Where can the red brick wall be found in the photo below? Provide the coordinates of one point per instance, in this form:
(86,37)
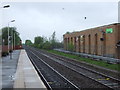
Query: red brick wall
(94,45)
(118,39)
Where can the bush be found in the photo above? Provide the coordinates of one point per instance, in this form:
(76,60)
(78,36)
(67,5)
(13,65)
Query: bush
(71,47)
(47,45)
(11,51)
(5,53)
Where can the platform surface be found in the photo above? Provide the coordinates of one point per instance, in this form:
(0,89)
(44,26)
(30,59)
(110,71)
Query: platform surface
(26,75)
(8,68)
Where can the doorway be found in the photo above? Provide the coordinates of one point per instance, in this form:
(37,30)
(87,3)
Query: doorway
(89,44)
(96,44)
(79,44)
(84,44)
(119,52)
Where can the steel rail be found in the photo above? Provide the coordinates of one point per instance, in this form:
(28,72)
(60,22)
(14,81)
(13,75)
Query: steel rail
(63,58)
(40,74)
(78,72)
(91,70)
(58,57)
(56,71)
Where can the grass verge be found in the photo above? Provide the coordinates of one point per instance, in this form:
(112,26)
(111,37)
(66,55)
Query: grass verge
(88,60)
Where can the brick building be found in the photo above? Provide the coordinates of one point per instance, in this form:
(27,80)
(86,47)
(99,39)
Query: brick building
(102,41)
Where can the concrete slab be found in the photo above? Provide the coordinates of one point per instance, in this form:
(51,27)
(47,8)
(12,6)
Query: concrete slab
(8,68)
(26,75)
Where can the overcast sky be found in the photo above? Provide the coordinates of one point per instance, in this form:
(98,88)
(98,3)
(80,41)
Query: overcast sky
(43,18)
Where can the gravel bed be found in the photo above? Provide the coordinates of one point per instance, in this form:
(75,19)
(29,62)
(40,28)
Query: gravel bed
(77,79)
(52,78)
(112,73)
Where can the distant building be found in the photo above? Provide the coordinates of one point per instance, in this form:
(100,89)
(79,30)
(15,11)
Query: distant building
(102,41)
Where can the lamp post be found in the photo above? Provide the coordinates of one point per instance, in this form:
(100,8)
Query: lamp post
(3,42)
(6,6)
(8,35)
(12,35)
(14,41)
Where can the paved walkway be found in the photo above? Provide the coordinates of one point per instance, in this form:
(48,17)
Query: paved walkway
(26,75)
(19,72)
(8,68)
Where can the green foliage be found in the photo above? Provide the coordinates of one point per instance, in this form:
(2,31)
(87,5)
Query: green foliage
(47,45)
(70,47)
(38,41)
(28,43)
(87,60)
(67,32)
(44,43)
(12,33)
(53,40)
(59,45)
(4,53)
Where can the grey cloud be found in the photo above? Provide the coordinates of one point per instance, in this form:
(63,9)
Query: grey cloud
(34,19)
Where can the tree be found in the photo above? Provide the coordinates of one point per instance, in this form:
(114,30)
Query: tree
(67,32)
(12,33)
(47,45)
(38,41)
(28,43)
(70,47)
(44,43)
(59,45)
(53,40)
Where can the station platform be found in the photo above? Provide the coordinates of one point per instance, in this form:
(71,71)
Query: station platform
(8,67)
(26,75)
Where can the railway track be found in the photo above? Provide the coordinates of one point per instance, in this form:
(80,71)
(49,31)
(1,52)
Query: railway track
(104,71)
(52,78)
(103,79)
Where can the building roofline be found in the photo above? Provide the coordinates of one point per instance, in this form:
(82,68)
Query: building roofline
(94,28)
